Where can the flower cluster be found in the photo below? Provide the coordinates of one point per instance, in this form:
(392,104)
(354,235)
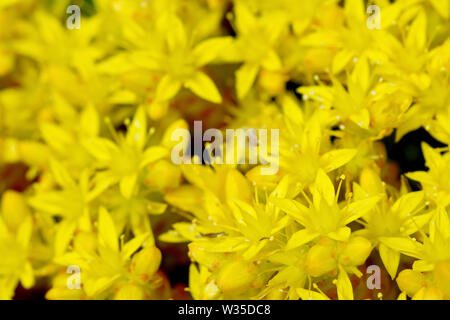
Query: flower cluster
(87,123)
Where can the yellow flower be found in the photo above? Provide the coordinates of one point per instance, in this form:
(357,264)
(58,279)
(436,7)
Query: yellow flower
(434,181)
(15,265)
(324,216)
(303,148)
(71,203)
(113,264)
(390,219)
(255,45)
(125,159)
(179,61)
(435,247)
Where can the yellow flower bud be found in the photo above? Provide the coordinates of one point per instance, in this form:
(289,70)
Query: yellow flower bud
(212,260)
(211,290)
(129,291)
(320,260)
(157,110)
(14,209)
(429,293)
(317,59)
(10,150)
(6,61)
(276,294)
(33,153)
(163,175)
(273,82)
(216,4)
(355,252)
(442,277)
(63,293)
(235,277)
(410,281)
(371,181)
(146,262)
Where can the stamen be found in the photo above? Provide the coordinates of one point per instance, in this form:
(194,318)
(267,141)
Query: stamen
(318,289)
(306,198)
(341,179)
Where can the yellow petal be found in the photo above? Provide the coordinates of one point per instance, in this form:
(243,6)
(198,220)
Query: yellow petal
(293,208)
(311,295)
(203,87)
(153,154)
(337,158)
(407,203)
(64,236)
(25,231)
(404,245)
(237,187)
(325,187)
(176,33)
(27,276)
(133,245)
(341,60)
(167,88)
(14,209)
(417,35)
(107,230)
(208,50)
(344,286)
(300,238)
(89,122)
(127,185)
(391,259)
(137,131)
(245,77)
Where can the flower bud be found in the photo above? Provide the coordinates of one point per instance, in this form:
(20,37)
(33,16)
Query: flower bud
(429,293)
(442,276)
(210,291)
(410,281)
(7,61)
(163,175)
(62,293)
(129,291)
(274,82)
(371,182)
(146,262)
(212,260)
(235,277)
(14,209)
(317,60)
(320,260)
(157,110)
(33,153)
(355,252)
